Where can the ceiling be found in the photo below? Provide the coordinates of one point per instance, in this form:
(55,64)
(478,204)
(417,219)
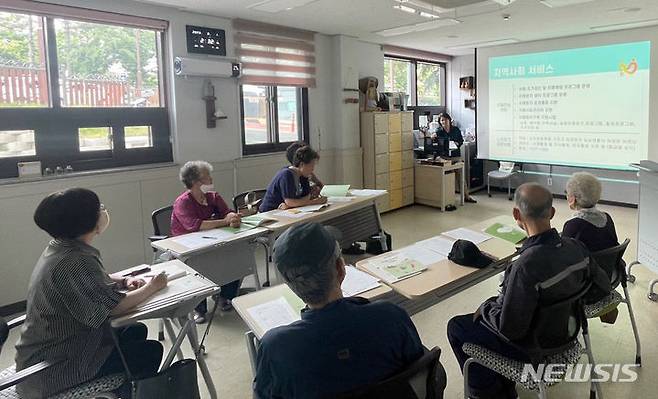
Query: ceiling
(480,21)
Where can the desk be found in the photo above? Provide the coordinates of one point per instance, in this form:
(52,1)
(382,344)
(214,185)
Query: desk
(434,188)
(446,278)
(178,308)
(242,303)
(220,261)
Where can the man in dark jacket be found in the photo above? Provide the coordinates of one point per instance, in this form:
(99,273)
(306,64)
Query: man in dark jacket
(549,268)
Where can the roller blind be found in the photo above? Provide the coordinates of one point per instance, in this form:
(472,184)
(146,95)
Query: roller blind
(274,55)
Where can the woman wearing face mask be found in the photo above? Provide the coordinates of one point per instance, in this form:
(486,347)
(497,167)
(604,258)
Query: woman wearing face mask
(199,208)
(71,297)
(290,187)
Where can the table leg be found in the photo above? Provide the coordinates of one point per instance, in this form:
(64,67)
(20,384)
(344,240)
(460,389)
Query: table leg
(194,342)
(462,183)
(252,349)
(175,347)
(172,336)
(382,234)
(443,191)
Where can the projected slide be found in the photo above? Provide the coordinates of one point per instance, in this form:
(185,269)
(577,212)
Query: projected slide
(582,107)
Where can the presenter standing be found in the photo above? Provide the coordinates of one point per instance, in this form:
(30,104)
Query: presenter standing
(448,130)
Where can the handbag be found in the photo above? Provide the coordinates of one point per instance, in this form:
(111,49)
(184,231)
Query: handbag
(178,381)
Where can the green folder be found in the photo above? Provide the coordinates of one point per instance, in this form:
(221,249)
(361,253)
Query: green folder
(248,223)
(505,232)
(335,190)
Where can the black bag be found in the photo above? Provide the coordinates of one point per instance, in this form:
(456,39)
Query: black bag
(374,245)
(177,381)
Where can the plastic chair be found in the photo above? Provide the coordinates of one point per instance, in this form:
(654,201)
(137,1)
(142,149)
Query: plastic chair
(611,260)
(567,315)
(9,377)
(161,220)
(506,170)
(423,379)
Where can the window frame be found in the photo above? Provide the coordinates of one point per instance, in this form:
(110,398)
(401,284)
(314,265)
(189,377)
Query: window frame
(56,126)
(274,145)
(414,79)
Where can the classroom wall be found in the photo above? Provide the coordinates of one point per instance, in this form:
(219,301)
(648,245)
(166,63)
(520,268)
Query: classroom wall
(132,195)
(460,66)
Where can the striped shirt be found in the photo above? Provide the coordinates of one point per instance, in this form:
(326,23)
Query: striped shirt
(69,300)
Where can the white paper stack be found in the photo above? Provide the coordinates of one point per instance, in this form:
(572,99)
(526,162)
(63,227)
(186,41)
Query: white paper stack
(357,282)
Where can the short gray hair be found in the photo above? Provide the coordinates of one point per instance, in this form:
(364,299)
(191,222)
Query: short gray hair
(190,173)
(534,201)
(313,283)
(586,188)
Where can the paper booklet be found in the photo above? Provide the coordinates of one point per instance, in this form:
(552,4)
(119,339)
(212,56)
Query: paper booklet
(395,267)
(357,282)
(467,234)
(505,232)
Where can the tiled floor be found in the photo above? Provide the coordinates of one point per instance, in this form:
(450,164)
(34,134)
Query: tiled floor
(228,360)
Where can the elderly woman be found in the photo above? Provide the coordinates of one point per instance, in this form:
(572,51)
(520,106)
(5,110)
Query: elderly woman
(70,299)
(201,208)
(591,226)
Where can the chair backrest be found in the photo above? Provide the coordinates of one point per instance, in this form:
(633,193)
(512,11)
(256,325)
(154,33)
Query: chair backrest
(423,379)
(248,202)
(556,325)
(4,332)
(507,167)
(161,219)
(611,260)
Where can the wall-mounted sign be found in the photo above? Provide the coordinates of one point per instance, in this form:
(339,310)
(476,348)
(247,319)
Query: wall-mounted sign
(202,40)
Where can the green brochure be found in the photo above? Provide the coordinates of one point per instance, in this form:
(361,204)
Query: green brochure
(335,190)
(505,232)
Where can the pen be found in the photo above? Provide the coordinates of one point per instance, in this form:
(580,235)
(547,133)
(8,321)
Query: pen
(211,238)
(137,272)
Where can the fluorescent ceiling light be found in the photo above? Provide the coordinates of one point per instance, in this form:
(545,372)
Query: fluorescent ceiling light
(405,9)
(423,26)
(428,15)
(274,6)
(562,3)
(484,44)
(625,25)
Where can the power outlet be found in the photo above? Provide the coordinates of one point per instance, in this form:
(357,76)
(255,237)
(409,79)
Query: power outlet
(550,181)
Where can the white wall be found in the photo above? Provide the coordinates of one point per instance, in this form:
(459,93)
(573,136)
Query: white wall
(460,66)
(132,195)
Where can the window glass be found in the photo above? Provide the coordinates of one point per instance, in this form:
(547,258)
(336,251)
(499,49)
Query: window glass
(95,138)
(429,84)
(16,143)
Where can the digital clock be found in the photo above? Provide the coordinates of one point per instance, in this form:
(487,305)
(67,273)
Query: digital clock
(202,40)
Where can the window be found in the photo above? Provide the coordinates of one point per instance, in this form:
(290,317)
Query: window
(85,93)
(423,82)
(272,117)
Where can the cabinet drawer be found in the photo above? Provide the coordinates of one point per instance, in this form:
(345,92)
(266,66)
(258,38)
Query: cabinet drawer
(381,123)
(394,123)
(407,177)
(395,179)
(396,198)
(407,141)
(381,144)
(407,196)
(381,163)
(407,121)
(407,159)
(394,142)
(382,181)
(394,161)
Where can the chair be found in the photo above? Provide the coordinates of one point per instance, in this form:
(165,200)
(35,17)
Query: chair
(611,261)
(9,377)
(505,171)
(545,350)
(247,203)
(423,379)
(161,220)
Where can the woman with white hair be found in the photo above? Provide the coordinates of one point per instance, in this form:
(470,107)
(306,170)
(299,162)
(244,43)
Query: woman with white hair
(199,208)
(589,225)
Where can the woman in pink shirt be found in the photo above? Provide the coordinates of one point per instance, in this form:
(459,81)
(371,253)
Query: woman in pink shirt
(201,208)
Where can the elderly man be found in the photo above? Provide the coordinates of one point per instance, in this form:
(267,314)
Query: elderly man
(545,256)
(340,344)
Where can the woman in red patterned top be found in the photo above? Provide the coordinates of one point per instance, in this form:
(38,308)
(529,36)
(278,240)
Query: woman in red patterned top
(200,207)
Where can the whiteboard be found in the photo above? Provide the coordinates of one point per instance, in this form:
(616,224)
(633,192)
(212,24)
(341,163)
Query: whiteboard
(648,222)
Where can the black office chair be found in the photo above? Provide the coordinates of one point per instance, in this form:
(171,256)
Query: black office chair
(611,260)
(423,379)
(247,203)
(547,345)
(161,220)
(9,377)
